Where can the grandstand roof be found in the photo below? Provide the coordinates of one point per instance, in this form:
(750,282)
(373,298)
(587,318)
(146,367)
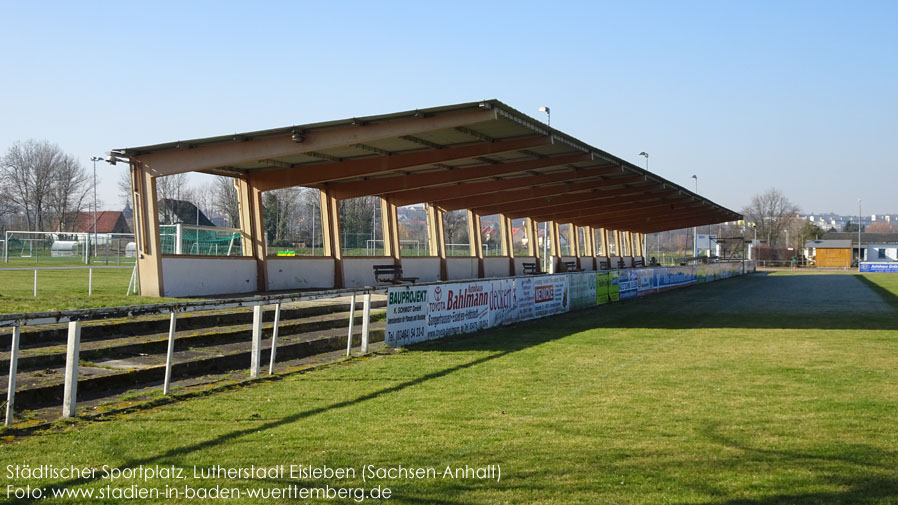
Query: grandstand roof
(483,156)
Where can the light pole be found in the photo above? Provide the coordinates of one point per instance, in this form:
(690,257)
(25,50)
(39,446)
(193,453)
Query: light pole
(695,228)
(858,234)
(548,112)
(95,159)
(643,153)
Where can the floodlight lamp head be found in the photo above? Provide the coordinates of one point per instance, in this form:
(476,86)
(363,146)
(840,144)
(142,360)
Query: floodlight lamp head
(694,177)
(297,135)
(544,109)
(643,153)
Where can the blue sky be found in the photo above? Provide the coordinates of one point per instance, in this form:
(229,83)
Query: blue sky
(801,96)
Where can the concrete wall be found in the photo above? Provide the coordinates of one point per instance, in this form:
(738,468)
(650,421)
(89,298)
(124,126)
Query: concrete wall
(426,269)
(300,273)
(496,266)
(461,268)
(359,272)
(519,263)
(208,276)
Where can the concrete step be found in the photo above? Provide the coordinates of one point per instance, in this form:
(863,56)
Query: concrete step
(53,355)
(45,335)
(110,376)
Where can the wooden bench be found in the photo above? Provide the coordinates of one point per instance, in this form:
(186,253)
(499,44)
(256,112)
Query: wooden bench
(604,265)
(392,274)
(571,266)
(620,263)
(639,262)
(531,268)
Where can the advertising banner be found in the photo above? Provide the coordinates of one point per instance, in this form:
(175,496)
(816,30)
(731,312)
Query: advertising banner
(582,290)
(603,288)
(503,302)
(669,277)
(614,290)
(406,315)
(458,308)
(541,295)
(628,284)
(879,267)
(419,313)
(701,272)
(645,281)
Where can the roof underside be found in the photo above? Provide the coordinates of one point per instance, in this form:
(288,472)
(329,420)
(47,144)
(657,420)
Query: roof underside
(482,156)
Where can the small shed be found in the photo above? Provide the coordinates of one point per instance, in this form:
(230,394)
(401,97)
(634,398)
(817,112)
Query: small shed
(830,253)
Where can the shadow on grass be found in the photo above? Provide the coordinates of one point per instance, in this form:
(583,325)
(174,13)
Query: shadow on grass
(860,490)
(888,296)
(509,348)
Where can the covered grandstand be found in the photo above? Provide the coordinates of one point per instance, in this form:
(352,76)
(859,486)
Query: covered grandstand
(481,158)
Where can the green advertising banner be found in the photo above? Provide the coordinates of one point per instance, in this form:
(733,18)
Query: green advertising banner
(700,270)
(614,289)
(603,287)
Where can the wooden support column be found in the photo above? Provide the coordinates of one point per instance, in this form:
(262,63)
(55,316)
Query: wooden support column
(555,250)
(390,222)
(574,241)
(252,227)
(330,233)
(528,233)
(590,237)
(437,237)
(475,241)
(507,241)
(146,231)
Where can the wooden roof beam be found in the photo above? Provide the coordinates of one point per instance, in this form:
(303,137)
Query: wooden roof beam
(524,208)
(412,182)
(625,223)
(205,157)
(325,172)
(446,195)
(633,208)
(498,200)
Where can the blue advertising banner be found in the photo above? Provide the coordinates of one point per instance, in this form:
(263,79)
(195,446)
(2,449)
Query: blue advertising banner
(879,267)
(675,276)
(629,281)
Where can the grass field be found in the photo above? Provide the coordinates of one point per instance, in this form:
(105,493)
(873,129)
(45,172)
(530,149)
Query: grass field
(66,289)
(769,389)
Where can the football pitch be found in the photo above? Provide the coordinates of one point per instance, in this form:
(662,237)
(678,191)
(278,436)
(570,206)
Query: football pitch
(758,390)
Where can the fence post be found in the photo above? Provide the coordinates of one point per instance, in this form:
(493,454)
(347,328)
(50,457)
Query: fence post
(70,393)
(166,387)
(257,342)
(90,282)
(35,282)
(366,315)
(13,365)
(351,322)
(274,337)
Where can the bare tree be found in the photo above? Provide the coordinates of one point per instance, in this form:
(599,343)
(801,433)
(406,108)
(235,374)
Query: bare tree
(773,213)
(48,185)
(224,199)
(69,196)
(174,187)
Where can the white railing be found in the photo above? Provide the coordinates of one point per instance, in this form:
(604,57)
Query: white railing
(74,318)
